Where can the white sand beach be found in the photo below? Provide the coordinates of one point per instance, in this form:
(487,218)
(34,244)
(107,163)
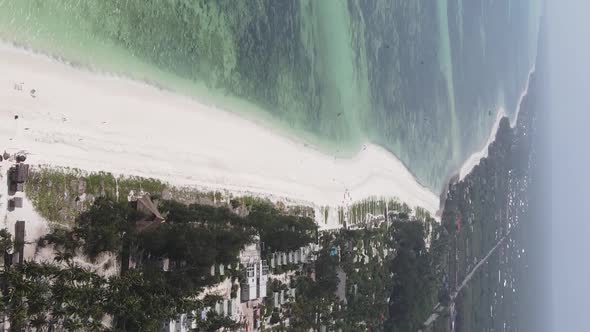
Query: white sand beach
(95,122)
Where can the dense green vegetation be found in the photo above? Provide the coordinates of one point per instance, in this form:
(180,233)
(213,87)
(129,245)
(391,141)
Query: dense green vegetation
(477,213)
(45,296)
(420,78)
(385,266)
(281,232)
(316,301)
(391,280)
(61,195)
(492,203)
(194,238)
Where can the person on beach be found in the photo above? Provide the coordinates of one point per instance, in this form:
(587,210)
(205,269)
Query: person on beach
(18,86)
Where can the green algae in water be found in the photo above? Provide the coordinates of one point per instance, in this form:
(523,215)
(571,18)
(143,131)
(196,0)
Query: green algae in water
(344,96)
(446,66)
(204,50)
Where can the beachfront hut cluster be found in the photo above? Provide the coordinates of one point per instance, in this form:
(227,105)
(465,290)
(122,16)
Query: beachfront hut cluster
(17,175)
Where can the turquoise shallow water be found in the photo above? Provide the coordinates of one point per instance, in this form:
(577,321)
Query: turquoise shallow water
(416,77)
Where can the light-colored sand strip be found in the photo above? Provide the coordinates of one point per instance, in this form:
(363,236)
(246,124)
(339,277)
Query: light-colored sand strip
(97,122)
(475,158)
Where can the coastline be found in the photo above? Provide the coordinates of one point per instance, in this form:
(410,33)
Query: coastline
(475,157)
(202,95)
(95,122)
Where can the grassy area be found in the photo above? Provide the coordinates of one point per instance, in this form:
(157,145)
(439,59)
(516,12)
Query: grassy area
(61,194)
(360,212)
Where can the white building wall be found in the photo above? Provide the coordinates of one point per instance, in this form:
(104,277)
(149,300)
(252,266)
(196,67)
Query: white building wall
(225,307)
(219,308)
(234,309)
(252,276)
(303,254)
(263,273)
(180,324)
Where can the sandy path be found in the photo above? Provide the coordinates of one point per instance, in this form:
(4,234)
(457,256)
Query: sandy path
(98,122)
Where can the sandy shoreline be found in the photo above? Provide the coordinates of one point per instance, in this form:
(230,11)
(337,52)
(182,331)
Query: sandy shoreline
(97,122)
(475,158)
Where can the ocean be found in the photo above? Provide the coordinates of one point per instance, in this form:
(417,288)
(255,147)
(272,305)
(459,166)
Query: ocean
(419,78)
